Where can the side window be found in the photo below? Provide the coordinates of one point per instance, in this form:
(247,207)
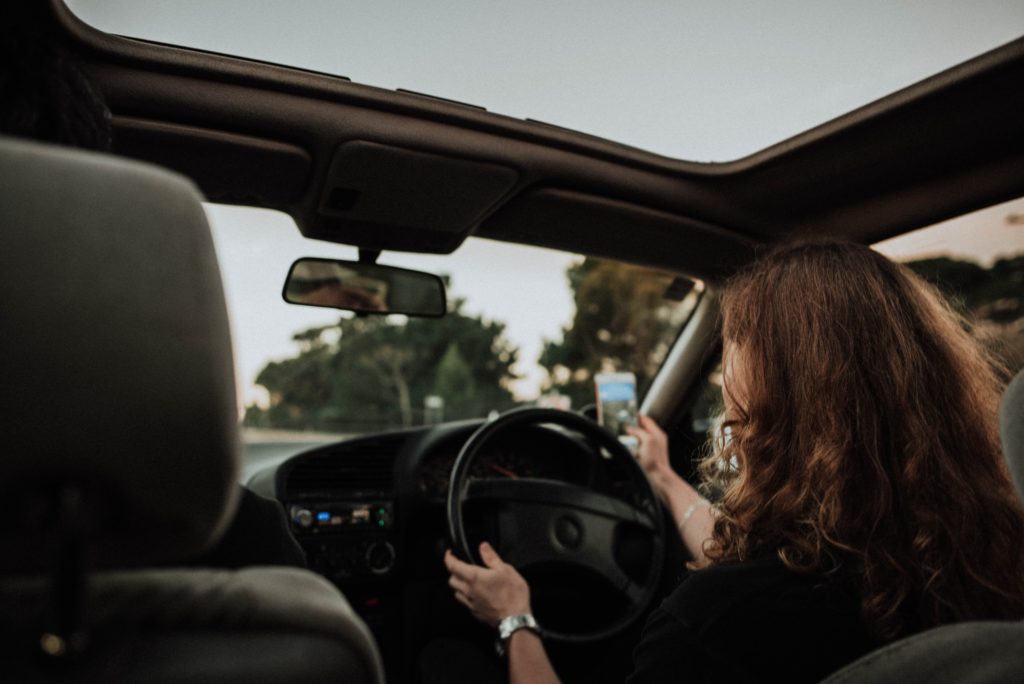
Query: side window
(977,260)
(688,437)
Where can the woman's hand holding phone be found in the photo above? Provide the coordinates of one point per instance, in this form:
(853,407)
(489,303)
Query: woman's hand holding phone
(652,453)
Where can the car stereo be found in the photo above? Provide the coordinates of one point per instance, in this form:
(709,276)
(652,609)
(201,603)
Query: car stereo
(336,515)
(346,540)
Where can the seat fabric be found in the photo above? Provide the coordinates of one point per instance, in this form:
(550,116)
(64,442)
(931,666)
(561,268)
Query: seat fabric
(967,653)
(256,624)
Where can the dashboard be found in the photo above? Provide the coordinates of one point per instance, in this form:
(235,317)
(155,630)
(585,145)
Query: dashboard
(370,510)
(370,514)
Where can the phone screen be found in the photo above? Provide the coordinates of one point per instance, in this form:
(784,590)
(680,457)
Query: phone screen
(616,401)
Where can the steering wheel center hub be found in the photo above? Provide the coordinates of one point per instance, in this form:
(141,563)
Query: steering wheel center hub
(568,532)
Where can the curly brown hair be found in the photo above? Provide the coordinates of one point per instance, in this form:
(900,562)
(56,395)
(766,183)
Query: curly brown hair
(866,442)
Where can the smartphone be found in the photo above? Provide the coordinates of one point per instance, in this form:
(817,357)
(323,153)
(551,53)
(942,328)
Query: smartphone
(616,401)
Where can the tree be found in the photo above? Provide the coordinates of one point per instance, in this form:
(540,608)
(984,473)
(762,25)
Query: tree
(455,383)
(623,322)
(380,369)
(297,386)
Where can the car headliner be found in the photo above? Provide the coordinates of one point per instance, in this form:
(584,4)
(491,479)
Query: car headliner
(395,170)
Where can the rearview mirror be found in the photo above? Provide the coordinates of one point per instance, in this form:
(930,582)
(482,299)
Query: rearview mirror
(366,288)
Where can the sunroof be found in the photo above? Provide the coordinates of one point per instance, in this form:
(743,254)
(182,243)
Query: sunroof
(705,81)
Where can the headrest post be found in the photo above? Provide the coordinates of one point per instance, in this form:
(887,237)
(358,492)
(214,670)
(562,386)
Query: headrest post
(70,566)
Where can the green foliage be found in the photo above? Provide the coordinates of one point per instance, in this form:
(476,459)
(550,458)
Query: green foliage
(622,323)
(455,383)
(378,372)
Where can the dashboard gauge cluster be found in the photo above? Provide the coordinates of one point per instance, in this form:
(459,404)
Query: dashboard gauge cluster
(504,461)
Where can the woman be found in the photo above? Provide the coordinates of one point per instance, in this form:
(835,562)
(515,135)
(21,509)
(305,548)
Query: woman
(863,496)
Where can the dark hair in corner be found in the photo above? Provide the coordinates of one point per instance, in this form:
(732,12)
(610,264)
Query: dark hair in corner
(43,93)
(868,440)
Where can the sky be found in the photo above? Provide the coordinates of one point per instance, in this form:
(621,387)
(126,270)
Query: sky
(701,80)
(705,81)
(982,236)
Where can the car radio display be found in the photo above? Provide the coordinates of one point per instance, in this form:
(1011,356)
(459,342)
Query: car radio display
(352,515)
(343,517)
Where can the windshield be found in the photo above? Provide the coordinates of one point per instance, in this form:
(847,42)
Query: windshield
(525,326)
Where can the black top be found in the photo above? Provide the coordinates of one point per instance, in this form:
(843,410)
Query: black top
(750,622)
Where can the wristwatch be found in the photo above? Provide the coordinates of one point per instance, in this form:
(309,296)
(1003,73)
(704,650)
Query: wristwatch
(509,626)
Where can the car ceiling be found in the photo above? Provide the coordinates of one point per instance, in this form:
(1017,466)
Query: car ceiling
(395,170)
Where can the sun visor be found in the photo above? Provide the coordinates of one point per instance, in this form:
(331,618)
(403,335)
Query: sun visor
(383,197)
(599,226)
(246,170)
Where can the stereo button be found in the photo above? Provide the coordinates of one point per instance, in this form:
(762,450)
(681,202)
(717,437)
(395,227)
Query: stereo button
(380,557)
(302,517)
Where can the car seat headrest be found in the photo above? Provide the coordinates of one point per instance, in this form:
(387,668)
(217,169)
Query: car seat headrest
(1011,429)
(118,381)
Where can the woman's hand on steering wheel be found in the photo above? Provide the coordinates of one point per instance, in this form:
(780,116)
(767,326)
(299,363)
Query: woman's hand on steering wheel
(491,593)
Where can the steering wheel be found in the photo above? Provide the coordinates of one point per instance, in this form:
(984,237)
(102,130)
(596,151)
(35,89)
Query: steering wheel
(555,522)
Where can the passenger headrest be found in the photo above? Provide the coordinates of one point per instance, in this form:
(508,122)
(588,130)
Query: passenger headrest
(115,359)
(1011,429)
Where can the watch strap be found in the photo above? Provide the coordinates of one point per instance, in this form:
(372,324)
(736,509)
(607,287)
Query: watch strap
(512,624)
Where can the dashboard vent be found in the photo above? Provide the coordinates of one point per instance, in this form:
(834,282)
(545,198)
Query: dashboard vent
(363,467)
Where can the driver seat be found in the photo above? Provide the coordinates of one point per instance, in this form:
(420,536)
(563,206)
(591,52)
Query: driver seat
(121,446)
(967,652)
